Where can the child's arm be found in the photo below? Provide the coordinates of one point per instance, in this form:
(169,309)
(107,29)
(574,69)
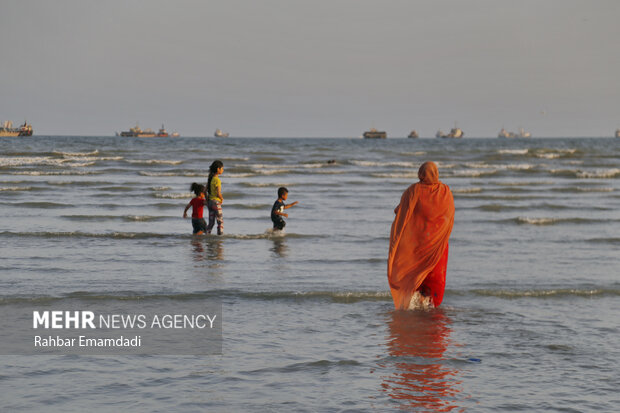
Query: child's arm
(186,208)
(290,205)
(219,193)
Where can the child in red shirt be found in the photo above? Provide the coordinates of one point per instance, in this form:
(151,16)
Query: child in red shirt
(197,204)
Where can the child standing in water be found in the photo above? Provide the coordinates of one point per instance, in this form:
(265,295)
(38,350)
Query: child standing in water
(197,204)
(214,191)
(277,211)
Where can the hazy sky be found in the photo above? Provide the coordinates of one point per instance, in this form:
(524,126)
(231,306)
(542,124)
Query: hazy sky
(311,68)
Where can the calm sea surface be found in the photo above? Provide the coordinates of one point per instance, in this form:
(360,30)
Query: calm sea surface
(529,322)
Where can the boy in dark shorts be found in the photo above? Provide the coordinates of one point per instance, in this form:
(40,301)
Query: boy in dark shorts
(277,211)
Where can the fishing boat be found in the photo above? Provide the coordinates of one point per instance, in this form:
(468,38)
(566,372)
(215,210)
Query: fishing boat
(617,133)
(220,134)
(375,134)
(413,134)
(454,133)
(136,132)
(503,133)
(162,133)
(7,129)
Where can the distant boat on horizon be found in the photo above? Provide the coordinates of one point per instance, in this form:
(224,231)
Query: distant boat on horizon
(7,129)
(219,134)
(617,133)
(413,134)
(455,133)
(503,133)
(162,133)
(136,132)
(375,134)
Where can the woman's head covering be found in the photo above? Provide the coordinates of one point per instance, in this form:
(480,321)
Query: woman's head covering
(428,173)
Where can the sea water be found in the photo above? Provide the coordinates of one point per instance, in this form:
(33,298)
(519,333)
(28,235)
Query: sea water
(529,321)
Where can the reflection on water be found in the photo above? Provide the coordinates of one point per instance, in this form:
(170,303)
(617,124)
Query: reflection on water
(198,249)
(420,379)
(215,249)
(207,248)
(279,246)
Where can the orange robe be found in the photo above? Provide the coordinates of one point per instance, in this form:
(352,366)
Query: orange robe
(419,239)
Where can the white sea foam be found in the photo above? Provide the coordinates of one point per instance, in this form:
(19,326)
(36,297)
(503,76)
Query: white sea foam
(599,173)
(548,155)
(153,162)
(513,151)
(161,174)
(50,173)
(536,221)
(519,167)
(408,175)
(471,173)
(31,160)
(467,190)
(240,175)
(379,164)
(91,153)
(177,195)
(15,188)
(419,302)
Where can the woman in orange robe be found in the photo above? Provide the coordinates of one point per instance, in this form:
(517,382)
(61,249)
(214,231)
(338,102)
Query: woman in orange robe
(418,255)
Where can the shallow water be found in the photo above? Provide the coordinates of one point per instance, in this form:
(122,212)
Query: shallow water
(528,322)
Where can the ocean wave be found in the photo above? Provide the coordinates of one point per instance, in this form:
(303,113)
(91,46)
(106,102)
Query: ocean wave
(402,175)
(600,173)
(240,175)
(15,188)
(546,293)
(264,184)
(610,240)
(11,162)
(153,162)
(523,183)
(467,190)
(126,218)
(537,207)
(554,221)
(417,153)
(339,297)
(373,164)
(30,160)
(91,153)
(151,235)
(513,151)
(470,173)
(178,195)
(33,204)
(186,174)
(346,297)
(582,189)
(79,234)
(250,206)
(55,173)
